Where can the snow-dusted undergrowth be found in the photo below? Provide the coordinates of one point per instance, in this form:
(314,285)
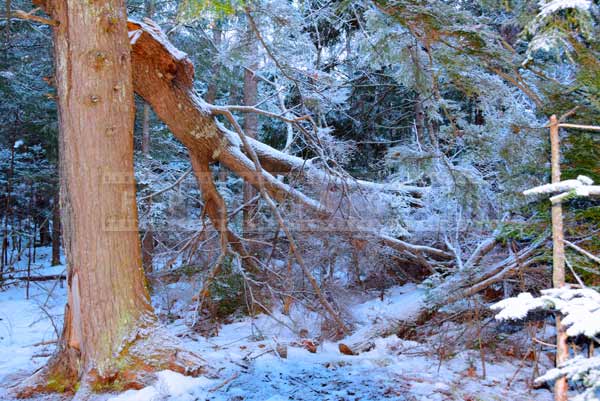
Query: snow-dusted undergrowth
(243,366)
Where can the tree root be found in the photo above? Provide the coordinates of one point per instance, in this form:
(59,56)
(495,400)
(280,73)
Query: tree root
(151,350)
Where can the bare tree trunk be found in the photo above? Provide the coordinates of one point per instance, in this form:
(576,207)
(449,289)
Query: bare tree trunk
(419,120)
(250,128)
(149,6)
(148,249)
(56,230)
(561,385)
(109,333)
(211,92)
(7,208)
(146,130)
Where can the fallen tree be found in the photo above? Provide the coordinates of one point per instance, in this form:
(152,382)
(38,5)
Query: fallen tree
(163,76)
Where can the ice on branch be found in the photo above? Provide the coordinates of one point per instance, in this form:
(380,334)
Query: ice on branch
(580,308)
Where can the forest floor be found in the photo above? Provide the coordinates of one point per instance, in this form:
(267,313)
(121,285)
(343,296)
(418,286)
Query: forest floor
(243,364)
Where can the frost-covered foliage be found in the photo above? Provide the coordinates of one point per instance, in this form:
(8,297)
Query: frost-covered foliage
(580,309)
(470,153)
(548,35)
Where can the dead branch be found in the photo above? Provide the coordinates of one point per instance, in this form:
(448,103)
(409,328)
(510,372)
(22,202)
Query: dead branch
(30,16)
(177,182)
(582,251)
(484,247)
(49,277)
(163,76)
(281,222)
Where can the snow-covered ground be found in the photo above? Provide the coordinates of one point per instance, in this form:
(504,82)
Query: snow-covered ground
(28,327)
(244,366)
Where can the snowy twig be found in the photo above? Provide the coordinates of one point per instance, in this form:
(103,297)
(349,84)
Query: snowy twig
(169,187)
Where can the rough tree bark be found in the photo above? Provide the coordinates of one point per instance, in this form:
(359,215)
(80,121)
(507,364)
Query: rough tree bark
(110,333)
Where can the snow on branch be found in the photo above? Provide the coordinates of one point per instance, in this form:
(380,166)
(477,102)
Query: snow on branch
(582,186)
(580,308)
(562,186)
(586,370)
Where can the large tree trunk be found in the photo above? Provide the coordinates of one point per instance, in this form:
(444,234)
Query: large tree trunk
(108,313)
(107,299)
